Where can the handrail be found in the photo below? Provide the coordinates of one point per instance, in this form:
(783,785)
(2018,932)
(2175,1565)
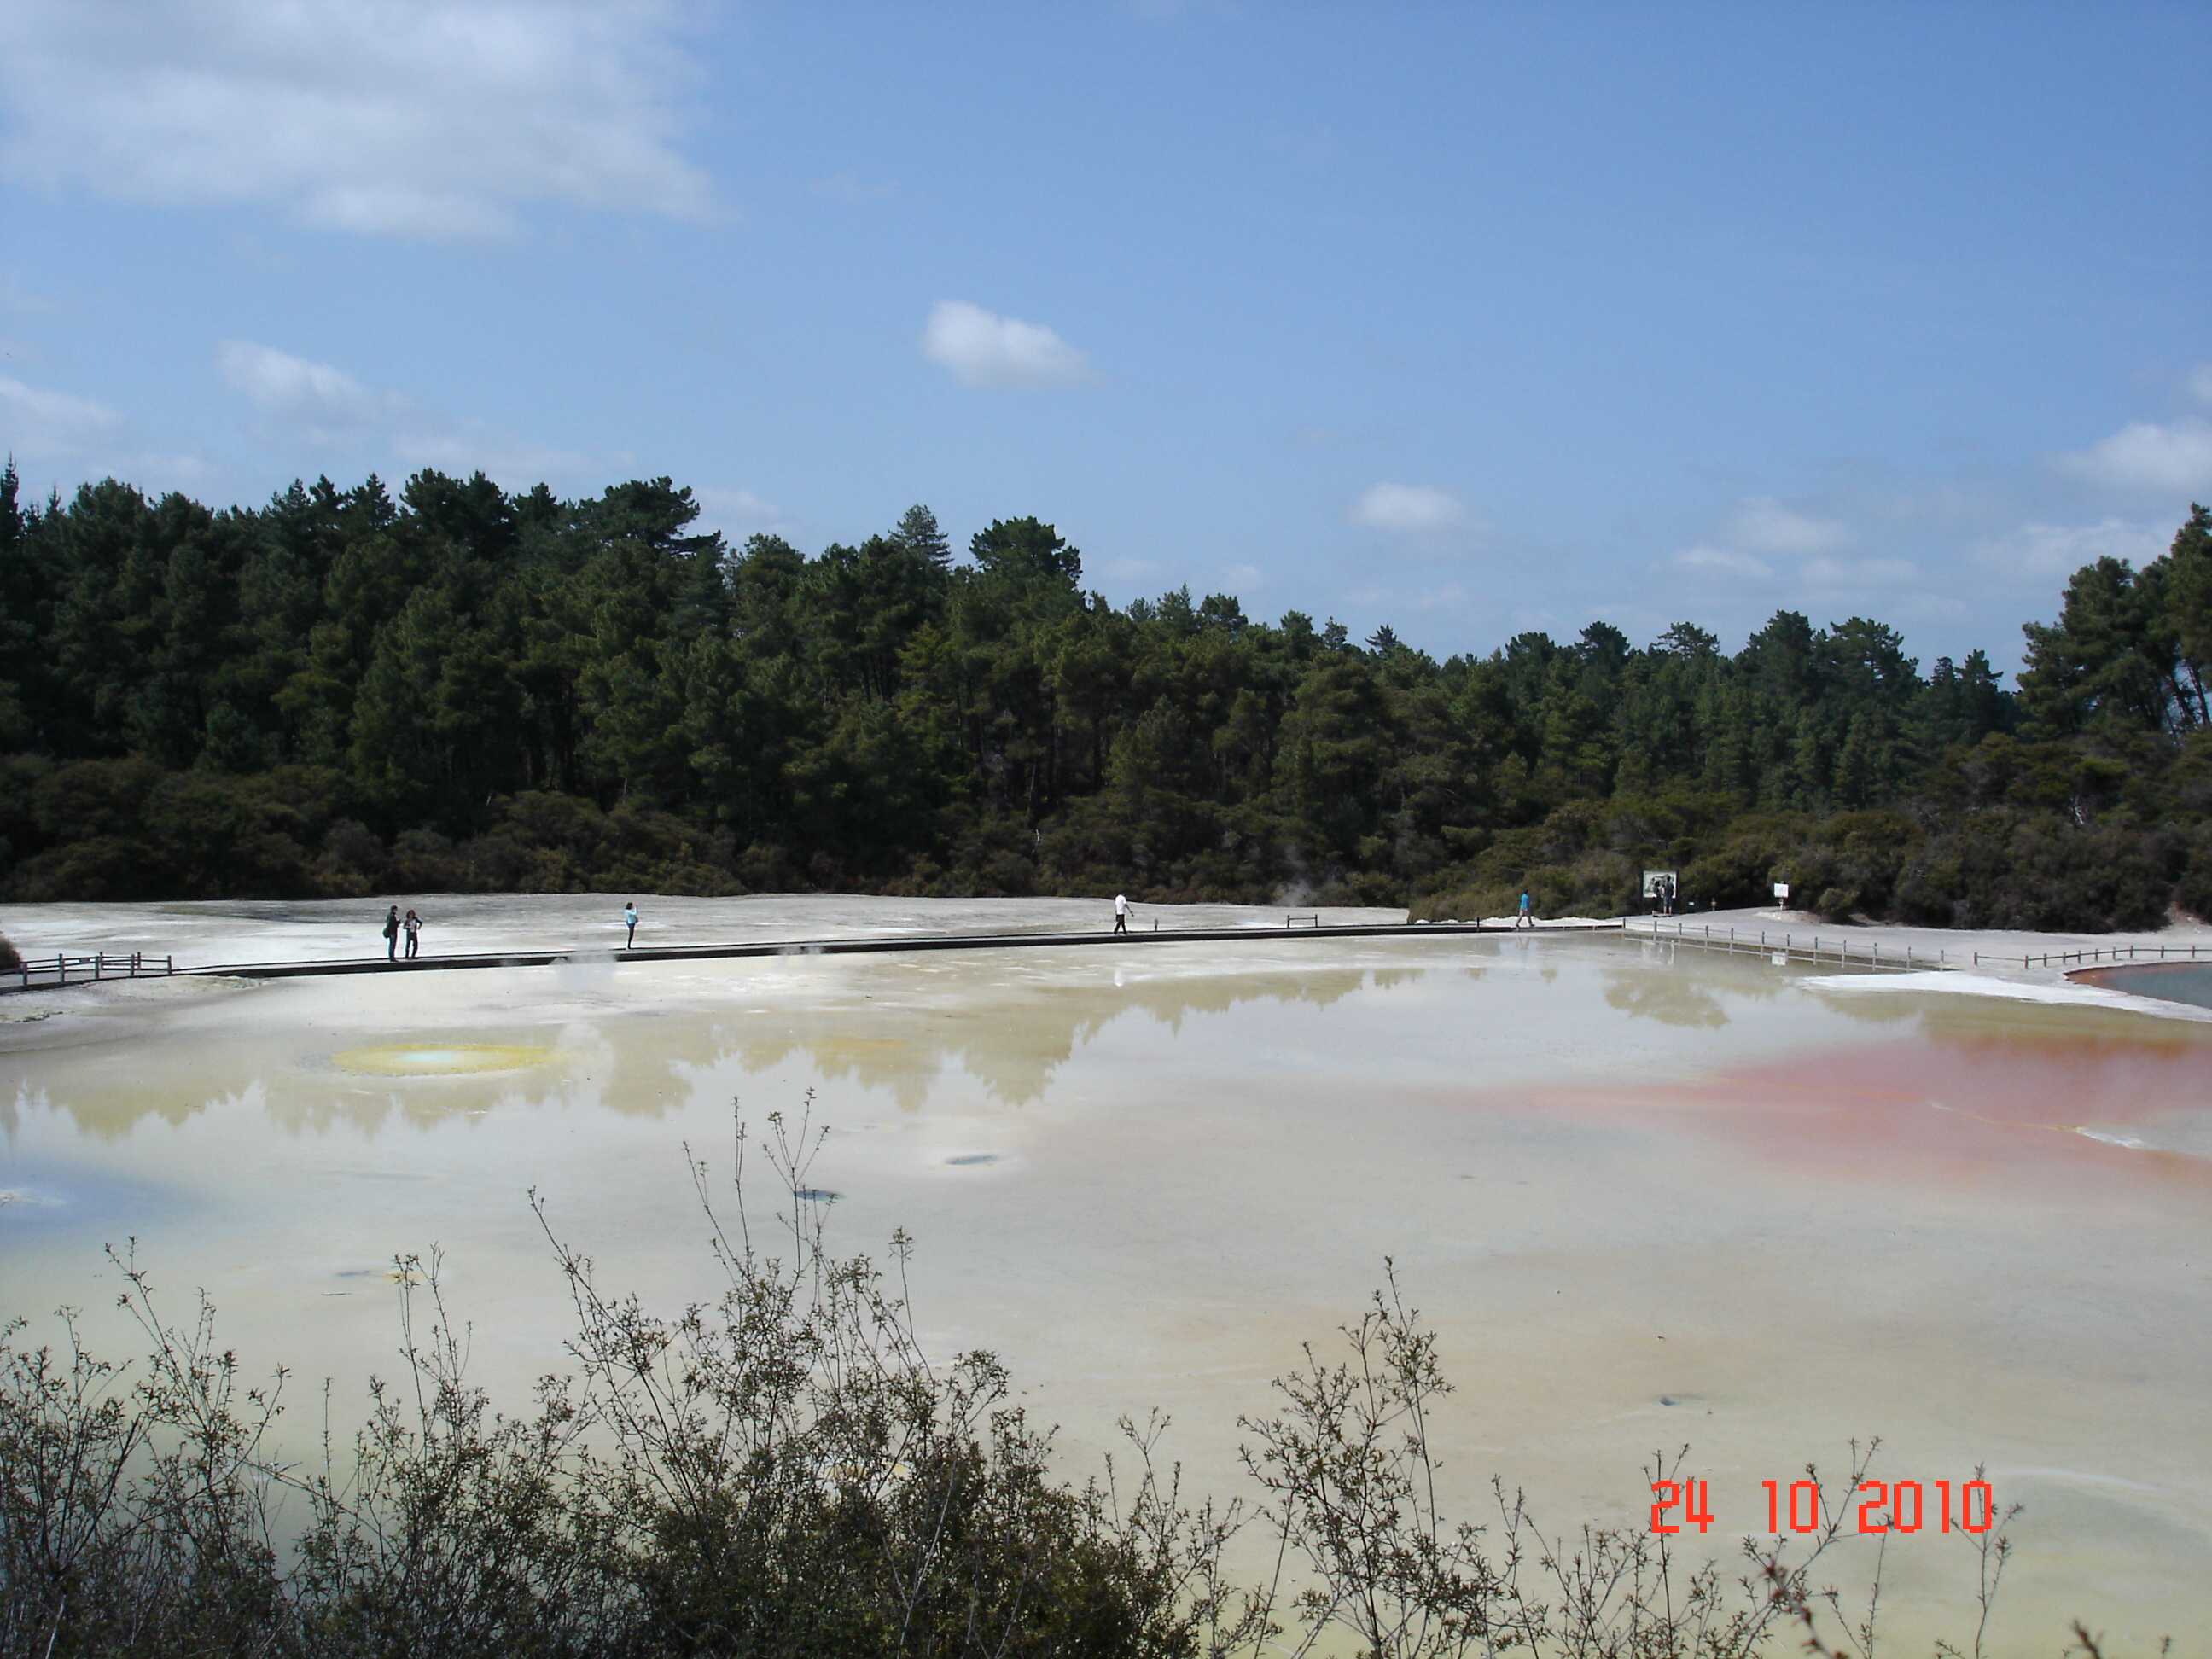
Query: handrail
(96,964)
(1840,953)
(1730,940)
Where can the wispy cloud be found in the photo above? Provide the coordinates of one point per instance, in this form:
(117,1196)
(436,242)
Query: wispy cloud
(416,118)
(1722,562)
(323,404)
(1407,508)
(738,512)
(14,296)
(2039,552)
(983,349)
(2200,383)
(72,438)
(1247,577)
(509,463)
(38,420)
(1827,575)
(297,388)
(1452,596)
(853,189)
(1765,525)
(2145,455)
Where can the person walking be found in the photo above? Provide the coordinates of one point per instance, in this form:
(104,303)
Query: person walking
(629,921)
(391,934)
(1527,917)
(1121,913)
(414,926)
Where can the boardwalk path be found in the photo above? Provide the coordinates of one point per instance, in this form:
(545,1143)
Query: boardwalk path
(848,946)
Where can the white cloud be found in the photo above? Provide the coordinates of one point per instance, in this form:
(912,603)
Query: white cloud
(319,403)
(984,349)
(1763,524)
(411,117)
(1245,576)
(1722,562)
(35,421)
(2145,455)
(2041,552)
(297,388)
(1407,507)
(2200,383)
(1125,570)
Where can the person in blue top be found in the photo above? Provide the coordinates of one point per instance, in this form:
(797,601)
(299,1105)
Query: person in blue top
(629,921)
(1527,918)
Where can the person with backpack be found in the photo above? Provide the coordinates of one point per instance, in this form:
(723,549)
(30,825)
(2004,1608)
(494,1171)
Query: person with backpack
(391,934)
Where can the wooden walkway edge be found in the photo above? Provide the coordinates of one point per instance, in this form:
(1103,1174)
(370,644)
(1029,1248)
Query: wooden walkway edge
(1142,939)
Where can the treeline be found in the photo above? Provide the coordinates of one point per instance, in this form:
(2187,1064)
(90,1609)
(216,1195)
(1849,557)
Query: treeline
(341,693)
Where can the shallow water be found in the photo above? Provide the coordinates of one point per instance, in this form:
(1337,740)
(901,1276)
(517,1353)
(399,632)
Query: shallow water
(2175,981)
(1644,1200)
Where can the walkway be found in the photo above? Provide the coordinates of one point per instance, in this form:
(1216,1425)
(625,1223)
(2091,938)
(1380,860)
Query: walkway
(1297,927)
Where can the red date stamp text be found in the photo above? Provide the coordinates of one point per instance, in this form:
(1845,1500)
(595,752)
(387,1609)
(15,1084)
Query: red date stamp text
(1881,1506)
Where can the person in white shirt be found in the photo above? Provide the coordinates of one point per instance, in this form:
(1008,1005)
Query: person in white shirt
(1121,913)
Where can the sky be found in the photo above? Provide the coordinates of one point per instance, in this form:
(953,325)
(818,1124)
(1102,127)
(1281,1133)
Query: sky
(1469,319)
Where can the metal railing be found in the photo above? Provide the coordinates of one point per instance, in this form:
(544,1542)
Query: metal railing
(2105,953)
(1813,948)
(64,969)
(1831,951)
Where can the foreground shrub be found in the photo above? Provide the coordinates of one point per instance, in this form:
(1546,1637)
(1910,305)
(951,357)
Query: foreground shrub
(786,1471)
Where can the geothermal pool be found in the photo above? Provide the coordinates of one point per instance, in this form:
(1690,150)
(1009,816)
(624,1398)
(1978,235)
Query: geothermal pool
(1646,1199)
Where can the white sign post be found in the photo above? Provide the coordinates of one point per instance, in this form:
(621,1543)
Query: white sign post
(1781,890)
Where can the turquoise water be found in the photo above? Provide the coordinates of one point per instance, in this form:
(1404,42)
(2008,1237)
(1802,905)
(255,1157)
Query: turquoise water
(2170,981)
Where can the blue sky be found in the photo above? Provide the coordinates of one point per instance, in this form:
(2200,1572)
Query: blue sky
(1465,319)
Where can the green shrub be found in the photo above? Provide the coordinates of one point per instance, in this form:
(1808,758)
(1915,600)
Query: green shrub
(785,1471)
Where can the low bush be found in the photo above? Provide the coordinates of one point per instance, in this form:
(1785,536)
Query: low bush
(785,1471)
